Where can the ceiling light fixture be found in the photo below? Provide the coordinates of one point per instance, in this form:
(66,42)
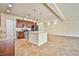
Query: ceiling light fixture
(9,5)
(48,23)
(55,22)
(8,11)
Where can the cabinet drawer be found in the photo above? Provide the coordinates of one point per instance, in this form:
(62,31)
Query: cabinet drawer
(20,35)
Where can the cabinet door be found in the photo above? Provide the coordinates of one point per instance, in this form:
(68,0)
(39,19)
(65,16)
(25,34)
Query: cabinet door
(20,35)
(19,23)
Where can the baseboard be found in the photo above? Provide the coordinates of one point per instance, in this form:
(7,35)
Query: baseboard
(68,35)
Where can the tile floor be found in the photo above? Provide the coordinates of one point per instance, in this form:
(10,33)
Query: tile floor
(56,46)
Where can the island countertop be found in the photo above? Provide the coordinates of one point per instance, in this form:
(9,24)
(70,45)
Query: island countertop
(36,32)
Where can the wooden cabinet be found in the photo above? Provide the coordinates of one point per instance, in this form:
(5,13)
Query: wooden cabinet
(20,35)
(19,23)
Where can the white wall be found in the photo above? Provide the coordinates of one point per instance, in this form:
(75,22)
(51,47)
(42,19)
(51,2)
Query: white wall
(41,27)
(0,18)
(66,28)
(4,18)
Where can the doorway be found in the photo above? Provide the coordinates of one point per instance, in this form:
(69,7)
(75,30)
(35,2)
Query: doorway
(10,24)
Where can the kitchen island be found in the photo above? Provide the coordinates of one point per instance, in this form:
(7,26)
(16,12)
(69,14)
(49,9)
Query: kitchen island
(37,38)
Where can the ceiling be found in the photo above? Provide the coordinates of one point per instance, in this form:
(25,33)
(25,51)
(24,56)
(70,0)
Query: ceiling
(33,10)
(69,10)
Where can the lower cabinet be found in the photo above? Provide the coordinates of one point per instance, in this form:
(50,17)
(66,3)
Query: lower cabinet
(20,35)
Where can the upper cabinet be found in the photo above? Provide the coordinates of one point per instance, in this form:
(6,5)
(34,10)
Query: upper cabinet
(19,23)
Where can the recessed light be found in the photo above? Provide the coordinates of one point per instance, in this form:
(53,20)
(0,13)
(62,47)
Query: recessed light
(55,22)
(9,5)
(8,11)
(41,22)
(48,23)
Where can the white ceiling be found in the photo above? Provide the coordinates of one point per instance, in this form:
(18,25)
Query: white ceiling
(70,10)
(42,12)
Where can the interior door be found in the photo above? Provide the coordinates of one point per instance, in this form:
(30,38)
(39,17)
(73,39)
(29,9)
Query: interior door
(10,28)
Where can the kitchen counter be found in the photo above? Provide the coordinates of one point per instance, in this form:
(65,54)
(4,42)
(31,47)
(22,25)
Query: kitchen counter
(38,38)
